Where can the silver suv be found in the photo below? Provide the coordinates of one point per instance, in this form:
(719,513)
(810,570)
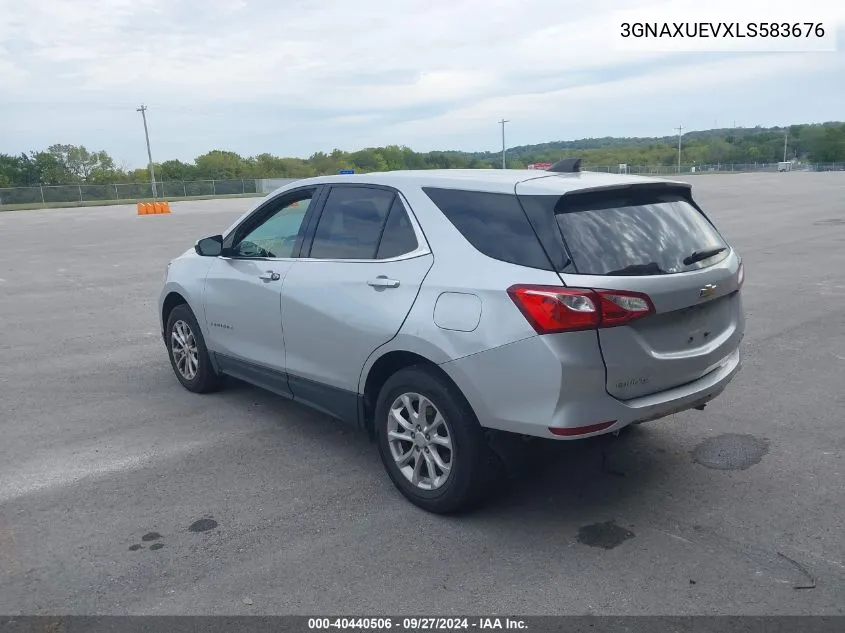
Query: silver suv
(435,309)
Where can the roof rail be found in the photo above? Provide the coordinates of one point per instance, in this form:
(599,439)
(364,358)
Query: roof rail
(566,166)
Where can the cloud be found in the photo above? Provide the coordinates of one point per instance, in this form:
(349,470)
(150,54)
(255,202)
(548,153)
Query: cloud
(647,90)
(11,75)
(291,77)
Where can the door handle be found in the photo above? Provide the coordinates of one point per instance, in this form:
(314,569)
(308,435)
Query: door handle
(269,276)
(383,282)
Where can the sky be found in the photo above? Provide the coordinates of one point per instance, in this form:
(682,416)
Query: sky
(293,77)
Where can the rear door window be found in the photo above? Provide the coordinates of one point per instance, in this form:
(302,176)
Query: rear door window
(351,223)
(398,237)
(636,233)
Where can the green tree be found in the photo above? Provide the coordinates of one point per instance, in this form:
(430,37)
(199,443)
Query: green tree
(140,174)
(22,170)
(220,165)
(830,146)
(11,170)
(175,170)
(50,169)
(324,164)
(79,163)
(105,175)
(368,160)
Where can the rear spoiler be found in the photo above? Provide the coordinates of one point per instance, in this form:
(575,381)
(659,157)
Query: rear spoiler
(573,165)
(659,185)
(684,189)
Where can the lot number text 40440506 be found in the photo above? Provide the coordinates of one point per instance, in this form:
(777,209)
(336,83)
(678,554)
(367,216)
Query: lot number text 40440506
(417,623)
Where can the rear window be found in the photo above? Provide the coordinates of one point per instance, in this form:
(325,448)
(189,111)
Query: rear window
(351,223)
(629,233)
(494,223)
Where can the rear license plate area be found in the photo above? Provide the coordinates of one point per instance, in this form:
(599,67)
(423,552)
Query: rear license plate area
(666,413)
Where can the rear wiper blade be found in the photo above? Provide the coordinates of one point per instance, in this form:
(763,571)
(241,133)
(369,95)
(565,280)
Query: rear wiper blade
(652,268)
(697,256)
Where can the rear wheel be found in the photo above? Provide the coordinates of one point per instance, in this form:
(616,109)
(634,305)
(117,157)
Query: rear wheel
(431,443)
(188,354)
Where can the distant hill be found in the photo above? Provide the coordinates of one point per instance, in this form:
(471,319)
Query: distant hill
(801,137)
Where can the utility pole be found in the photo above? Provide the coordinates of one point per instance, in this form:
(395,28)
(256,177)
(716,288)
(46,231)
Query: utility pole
(502,122)
(143,111)
(785,137)
(680,129)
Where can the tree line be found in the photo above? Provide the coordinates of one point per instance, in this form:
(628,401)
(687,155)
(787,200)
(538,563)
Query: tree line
(62,164)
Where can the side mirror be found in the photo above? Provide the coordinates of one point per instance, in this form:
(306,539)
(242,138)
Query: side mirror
(209,246)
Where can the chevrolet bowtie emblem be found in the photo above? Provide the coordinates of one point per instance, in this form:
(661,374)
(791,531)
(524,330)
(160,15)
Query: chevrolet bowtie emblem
(707,291)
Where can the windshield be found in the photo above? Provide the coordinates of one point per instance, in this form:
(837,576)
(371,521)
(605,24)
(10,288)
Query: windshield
(624,233)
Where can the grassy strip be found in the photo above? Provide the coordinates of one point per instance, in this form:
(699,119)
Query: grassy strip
(32,206)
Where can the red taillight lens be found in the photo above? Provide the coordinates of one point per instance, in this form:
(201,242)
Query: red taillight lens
(555,309)
(551,309)
(618,308)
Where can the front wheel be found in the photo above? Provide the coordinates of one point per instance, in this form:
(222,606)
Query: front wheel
(430,442)
(187,351)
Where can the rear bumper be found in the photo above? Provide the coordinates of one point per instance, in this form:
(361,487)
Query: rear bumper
(543,383)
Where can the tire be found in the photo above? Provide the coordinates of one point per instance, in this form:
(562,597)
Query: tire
(470,460)
(182,324)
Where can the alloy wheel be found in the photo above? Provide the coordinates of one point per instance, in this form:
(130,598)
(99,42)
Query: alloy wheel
(183,344)
(420,441)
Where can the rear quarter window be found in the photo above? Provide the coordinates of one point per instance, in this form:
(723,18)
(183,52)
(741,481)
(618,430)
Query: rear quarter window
(493,223)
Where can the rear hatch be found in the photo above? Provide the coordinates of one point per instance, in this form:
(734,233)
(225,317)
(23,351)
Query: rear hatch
(650,240)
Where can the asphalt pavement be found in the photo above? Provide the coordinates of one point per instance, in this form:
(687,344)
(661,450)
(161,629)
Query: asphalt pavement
(122,493)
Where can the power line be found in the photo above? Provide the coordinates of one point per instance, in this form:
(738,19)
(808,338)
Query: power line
(143,111)
(680,130)
(502,122)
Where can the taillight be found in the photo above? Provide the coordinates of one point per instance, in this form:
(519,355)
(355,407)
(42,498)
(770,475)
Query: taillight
(551,309)
(618,308)
(555,309)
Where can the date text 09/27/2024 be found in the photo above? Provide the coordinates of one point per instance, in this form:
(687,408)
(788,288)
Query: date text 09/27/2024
(417,624)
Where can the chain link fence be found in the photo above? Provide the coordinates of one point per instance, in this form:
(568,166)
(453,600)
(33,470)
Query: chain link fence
(127,192)
(715,168)
(173,190)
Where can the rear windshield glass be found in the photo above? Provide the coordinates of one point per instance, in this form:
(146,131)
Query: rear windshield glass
(637,234)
